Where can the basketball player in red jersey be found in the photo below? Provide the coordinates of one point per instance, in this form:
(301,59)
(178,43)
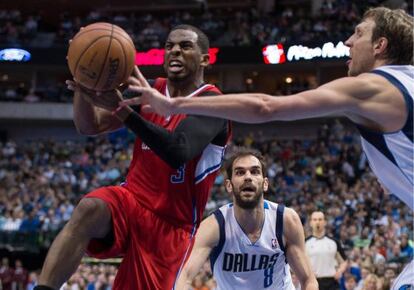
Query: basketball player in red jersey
(151,219)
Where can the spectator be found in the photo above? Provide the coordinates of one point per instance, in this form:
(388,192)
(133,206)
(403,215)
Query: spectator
(406,250)
(371,282)
(350,282)
(32,281)
(20,278)
(6,275)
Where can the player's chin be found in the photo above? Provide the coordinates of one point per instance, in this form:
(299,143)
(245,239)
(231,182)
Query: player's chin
(177,76)
(352,72)
(247,204)
(247,201)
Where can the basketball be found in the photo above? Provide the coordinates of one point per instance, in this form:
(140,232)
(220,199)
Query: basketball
(101,56)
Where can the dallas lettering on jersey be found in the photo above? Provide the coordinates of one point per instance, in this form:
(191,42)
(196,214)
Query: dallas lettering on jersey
(245,263)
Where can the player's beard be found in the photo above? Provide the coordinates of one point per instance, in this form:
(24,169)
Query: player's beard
(251,203)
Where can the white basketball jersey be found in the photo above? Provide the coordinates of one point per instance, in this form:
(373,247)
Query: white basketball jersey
(390,155)
(405,281)
(238,263)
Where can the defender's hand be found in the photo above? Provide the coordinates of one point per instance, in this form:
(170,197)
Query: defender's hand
(151,100)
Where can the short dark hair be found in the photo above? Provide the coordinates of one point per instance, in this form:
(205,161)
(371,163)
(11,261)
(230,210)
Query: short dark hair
(242,152)
(202,39)
(397,27)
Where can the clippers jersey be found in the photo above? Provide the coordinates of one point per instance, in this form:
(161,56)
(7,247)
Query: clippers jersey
(237,263)
(390,155)
(177,195)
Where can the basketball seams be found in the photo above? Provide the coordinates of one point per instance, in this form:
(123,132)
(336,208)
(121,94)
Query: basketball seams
(119,32)
(125,57)
(85,50)
(125,51)
(106,58)
(82,32)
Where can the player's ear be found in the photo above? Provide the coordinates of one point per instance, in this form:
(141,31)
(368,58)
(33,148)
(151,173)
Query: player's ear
(265,184)
(380,46)
(205,60)
(228,185)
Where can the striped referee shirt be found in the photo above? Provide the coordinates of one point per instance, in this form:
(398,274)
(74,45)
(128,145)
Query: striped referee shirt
(322,254)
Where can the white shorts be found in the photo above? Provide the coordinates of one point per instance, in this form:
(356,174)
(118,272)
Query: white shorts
(405,281)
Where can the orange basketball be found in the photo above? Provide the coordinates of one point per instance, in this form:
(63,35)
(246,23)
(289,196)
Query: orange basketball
(101,56)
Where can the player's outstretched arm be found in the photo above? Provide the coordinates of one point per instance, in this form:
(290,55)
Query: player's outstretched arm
(296,255)
(340,97)
(207,238)
(335,98)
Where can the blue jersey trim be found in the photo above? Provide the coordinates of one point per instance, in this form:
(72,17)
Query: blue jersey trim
(206,172)
(279,226)
(378,141)
(217,249)
(408,127)
(210,169)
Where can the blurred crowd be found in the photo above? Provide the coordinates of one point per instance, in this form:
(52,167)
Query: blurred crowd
(285,23)
(87,276)
(44,92)
(41,182)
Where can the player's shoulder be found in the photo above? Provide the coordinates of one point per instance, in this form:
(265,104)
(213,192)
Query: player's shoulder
(158,83)
(291,216)
(208,234)
(210,90)
(211,220)
(211,225)
(288,213)
(377,85)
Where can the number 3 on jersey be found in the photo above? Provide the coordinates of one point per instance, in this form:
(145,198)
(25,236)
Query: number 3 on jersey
(179,176)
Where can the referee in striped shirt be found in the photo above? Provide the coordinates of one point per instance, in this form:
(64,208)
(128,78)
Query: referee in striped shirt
(326,254)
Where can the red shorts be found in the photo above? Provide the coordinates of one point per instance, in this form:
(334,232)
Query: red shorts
(153,250)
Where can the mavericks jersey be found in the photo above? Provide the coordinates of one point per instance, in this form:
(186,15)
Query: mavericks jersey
(178,195)
(237,263)
(390,155)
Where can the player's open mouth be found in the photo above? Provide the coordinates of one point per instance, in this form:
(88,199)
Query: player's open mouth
(248,189)
(175,66)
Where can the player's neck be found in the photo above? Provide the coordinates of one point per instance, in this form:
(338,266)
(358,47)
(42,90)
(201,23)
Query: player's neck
(250,220)
(381,62)
(319,235)
(182,89)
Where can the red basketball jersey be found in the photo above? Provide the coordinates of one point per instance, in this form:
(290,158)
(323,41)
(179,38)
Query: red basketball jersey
(178,195)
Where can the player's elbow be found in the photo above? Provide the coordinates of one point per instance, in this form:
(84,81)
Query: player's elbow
(178,158)
(308,281)
(266,110)
(86,130)
(179,152)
